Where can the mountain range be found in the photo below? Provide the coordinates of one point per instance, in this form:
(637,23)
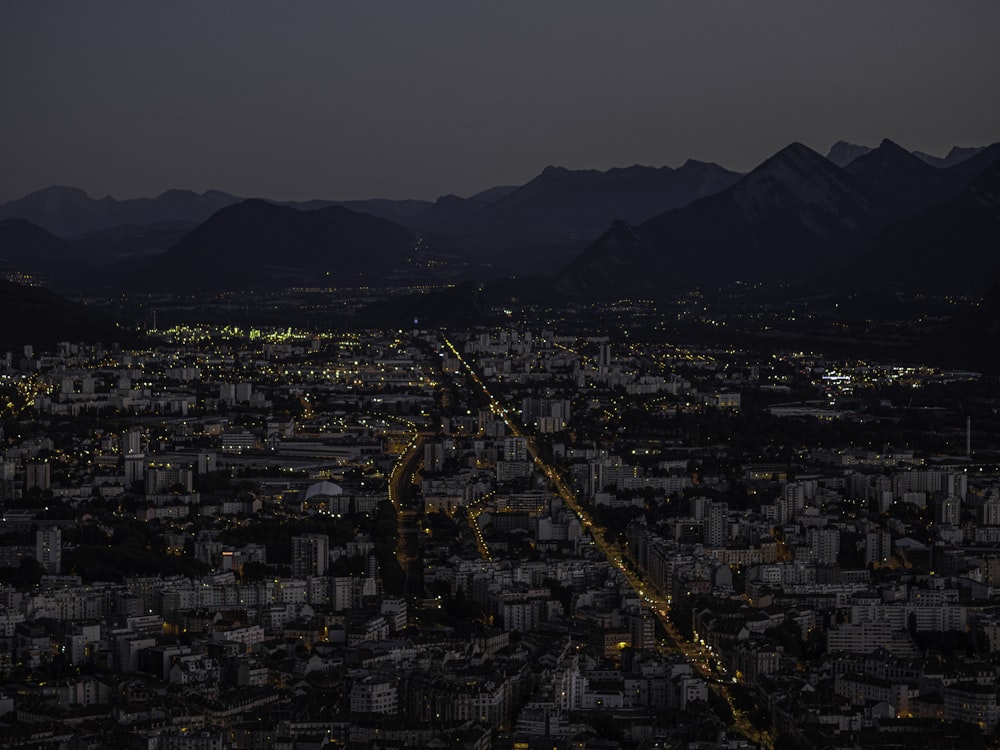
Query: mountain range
(533,228)
(797,216)
(843,153)
(69,211)
(560,209)
(952,247)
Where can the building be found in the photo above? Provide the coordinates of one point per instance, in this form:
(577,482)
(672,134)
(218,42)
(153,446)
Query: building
(515,449)
(716,526)
(374,695)
(48,549)
(972,703)
(878,547)
(37,474)
(310,555)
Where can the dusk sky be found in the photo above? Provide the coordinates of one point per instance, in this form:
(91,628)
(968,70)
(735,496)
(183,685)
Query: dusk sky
(411,99)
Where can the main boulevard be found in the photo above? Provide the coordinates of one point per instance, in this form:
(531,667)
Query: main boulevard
(698,656)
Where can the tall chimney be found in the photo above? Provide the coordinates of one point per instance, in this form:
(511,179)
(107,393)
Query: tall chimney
(968,437)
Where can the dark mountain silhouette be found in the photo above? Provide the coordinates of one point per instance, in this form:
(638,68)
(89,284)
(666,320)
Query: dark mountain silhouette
(561,209)
(951,247)
(843,153)
(398,211)
(260,245)
(795,215)
(957,155)
(902,182)
(67,211)
(28,251)
(21,241)
(493,194)
(36,316)
(969,169)
(451,214)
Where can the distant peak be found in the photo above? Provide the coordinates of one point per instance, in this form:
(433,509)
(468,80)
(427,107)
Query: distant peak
(552,169)
(218,195)
(799,149)
(964,151)
(843,153)
(887,157)
(175,192)
(68,190)
(798,154)
(889,146)
(256,203)
(251,205)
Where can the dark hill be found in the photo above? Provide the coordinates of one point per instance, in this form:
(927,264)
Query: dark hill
(21,241)
(33,315)
(794,216)
(260,245)
(28,251)
(399,211)
(953,247)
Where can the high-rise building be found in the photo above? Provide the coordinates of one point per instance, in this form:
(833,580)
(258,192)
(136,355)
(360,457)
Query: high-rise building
(948,511)
(716,525)
(310,554)
(604,356)
(515,449)
(168,477)
(48,549)
(8,470)
(878,547)
(37,474)
(132,442)
(135,468)
(825,544)
(243,392)
(990,513)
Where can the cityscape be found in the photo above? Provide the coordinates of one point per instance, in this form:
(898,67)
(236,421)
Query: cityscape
(522,376)
(511,536)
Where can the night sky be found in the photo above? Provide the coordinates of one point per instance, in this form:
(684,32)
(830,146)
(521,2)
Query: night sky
(416,99)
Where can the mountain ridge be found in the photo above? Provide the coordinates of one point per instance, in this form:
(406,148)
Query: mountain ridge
(257,244)
(752,230)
